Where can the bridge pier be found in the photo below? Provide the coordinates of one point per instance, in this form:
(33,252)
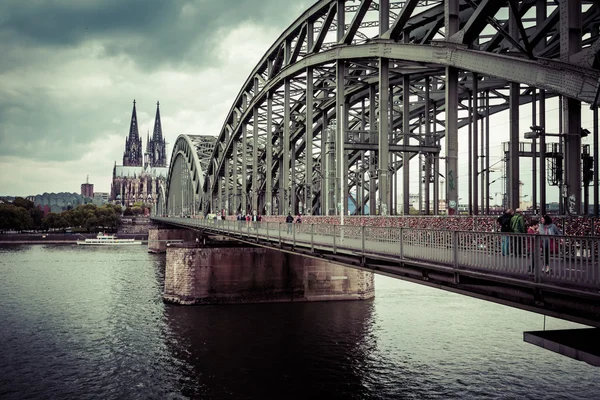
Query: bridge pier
(159,237)
(228,275)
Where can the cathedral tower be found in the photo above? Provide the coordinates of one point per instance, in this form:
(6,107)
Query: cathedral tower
(157,147)
(132,157)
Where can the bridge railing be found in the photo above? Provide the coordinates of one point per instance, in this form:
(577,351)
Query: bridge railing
(570,259)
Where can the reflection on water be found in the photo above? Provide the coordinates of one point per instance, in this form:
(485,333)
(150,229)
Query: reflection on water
(90,323)
(275,348)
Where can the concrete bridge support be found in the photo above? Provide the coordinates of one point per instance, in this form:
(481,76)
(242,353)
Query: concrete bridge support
(158,238)
(227,275)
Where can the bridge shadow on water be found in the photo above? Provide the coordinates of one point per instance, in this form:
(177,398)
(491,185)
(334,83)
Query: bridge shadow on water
(280,350)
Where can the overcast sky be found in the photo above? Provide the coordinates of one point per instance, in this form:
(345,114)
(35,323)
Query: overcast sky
(70,70)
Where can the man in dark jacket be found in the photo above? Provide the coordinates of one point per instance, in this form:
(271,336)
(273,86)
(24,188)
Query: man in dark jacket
(289,220)
(504,221)
(517,225)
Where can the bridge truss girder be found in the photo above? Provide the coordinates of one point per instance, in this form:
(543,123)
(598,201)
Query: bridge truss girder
(427,67)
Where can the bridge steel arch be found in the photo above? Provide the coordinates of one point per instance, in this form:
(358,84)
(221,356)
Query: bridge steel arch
(189,158)
(341,103)
(161,206)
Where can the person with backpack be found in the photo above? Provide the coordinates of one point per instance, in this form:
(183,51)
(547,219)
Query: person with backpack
(504,221)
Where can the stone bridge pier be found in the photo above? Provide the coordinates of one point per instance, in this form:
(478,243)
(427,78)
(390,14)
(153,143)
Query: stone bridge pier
(159,237)
(223,272)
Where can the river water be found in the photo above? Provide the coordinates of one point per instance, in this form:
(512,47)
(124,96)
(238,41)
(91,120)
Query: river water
(89,323)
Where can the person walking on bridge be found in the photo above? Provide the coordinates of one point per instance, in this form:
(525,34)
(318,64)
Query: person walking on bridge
(517,225)
(289,220)
(504,221)
(546,227)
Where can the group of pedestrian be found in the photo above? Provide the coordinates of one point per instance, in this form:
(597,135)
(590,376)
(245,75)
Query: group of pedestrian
(512,221)
(250,219)
(289,220)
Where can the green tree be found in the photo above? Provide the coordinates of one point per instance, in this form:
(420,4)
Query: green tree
(24,203)
(49,221)
(35,213)
(14,218)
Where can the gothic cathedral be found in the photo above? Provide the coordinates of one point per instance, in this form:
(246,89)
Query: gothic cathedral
(141,178)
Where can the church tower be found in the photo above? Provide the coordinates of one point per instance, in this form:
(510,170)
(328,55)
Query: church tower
(132,157)
(157,148)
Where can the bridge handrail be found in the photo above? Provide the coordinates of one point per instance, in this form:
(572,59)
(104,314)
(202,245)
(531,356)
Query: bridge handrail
(573,260)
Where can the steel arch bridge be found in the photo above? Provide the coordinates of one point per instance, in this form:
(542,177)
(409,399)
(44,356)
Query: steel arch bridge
(353,90)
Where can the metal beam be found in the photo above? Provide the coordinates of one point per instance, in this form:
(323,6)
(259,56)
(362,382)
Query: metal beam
(358,17)
(400,22)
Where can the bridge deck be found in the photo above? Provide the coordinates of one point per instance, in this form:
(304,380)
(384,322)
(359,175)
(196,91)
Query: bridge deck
(470,263)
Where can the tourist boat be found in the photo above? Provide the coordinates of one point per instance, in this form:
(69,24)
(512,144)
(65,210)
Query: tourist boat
(104,240)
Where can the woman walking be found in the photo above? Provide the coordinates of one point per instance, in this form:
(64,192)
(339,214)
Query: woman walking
(546,227)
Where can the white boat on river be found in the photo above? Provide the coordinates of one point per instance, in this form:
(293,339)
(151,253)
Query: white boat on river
(108,240)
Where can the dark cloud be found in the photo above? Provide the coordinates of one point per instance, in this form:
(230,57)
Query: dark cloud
(42,128)
(150,32)
(51,50)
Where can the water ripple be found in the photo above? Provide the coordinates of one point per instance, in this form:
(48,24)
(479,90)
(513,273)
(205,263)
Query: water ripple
(89,323)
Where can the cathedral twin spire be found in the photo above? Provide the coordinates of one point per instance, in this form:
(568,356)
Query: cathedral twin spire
(155,149)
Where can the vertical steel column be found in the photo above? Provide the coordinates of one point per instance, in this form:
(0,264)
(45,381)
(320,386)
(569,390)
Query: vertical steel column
(406,141)
(420,167)
(561,185)
(475,144)
(340,112)
(383,148)
(341,19)
(483,172)
(324,195)
(330,170)
(436,165)
(540,18)
(234,175)
(470,154)
(513,153)
(221,193)
(487,154)
(284,168)
(384,135)
(391,155)
(269,153)
(293,199)
(373,129)
(543,184)
(452,23)
(596,156)
(308,129)
(384,16)
(244,189)
(255,185)
(363,159)
(570,43)
(534,151)
(227,198)
(344,154)
(341,131)
(429,142)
